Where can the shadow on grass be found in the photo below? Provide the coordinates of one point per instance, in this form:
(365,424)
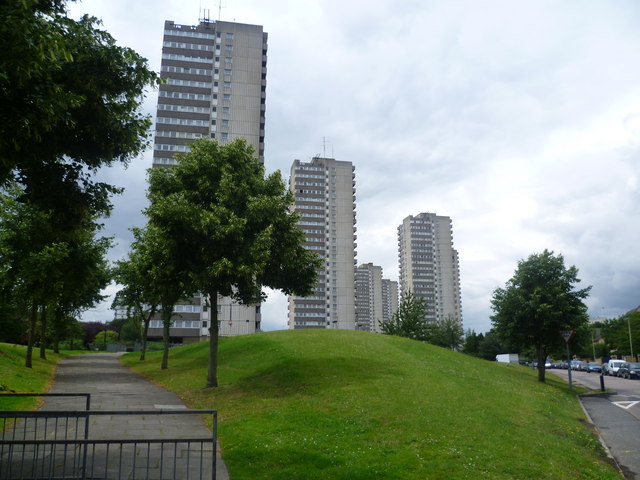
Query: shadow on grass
(312,375)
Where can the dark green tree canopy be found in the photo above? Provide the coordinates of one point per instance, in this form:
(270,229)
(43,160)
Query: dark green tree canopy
(66,90)
(537,302)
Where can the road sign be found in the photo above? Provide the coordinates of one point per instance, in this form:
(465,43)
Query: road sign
(567,335)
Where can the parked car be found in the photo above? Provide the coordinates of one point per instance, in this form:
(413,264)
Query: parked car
(594,367)
(629,370)
(613,365)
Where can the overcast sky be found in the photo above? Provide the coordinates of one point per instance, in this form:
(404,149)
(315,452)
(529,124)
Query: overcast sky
(520,120)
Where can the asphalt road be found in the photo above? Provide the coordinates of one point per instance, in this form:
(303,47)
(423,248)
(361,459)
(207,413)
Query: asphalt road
(615,414)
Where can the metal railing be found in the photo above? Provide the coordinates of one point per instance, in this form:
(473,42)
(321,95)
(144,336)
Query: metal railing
(56,444)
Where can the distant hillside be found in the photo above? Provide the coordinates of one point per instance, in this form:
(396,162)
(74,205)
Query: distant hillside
(329,404)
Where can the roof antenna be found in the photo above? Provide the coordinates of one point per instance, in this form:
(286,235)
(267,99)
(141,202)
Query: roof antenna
(220,9)
(324,147)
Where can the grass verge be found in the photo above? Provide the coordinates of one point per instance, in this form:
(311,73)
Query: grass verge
(352,405)
(15,377)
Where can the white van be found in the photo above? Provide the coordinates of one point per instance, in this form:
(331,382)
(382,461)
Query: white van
(613,366)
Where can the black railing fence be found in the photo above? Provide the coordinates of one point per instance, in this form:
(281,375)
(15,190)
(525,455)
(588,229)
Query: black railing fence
(47,444)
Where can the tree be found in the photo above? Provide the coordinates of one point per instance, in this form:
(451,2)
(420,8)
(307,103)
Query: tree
(157,272)
(410,320)
(471,342)
(489,347)
(447,333)
(48,269)
(537,302)
(231,227)
(68,93)
(138,293)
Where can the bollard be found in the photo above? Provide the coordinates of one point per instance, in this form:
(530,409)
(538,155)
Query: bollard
(601,382)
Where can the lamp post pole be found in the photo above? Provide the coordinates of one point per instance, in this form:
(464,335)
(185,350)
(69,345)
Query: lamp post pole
(630,341)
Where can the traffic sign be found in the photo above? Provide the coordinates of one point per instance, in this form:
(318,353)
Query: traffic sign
(567,335)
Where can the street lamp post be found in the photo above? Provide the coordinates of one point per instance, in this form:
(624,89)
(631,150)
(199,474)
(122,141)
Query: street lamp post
(630,341)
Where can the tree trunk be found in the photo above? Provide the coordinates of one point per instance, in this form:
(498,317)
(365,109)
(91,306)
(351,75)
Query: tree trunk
(33,316)
(166,324)
(43,333)
(542,357)
(57,324)
(145,332)
(212,371)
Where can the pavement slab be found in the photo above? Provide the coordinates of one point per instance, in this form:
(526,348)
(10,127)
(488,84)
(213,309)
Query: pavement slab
(114,387)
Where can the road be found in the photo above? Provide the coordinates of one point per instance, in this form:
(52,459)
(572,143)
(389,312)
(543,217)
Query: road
(616,415)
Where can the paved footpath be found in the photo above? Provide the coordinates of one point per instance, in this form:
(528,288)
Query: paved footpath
(114,387)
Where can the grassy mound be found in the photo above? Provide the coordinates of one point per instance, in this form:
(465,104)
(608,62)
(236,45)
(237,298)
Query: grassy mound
(15,377)
(352,405)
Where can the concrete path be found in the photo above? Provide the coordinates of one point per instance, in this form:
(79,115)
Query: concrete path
(114,387)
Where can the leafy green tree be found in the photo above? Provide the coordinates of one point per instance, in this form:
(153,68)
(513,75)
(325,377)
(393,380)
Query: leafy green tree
(138,293)
(231,227)
(104,338)
(616,333)
(410,320)
(537,302)
(68,94)
(489,347)
(447,333)
(471,342)
(47,270)
(157,271)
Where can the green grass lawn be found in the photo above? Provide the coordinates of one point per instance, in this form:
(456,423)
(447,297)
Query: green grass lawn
(329,404)
(14,376)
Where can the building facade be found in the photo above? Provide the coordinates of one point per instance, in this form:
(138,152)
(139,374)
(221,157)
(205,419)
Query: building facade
(389,298)
(368,297)
(215,87)
(216,81)
(429,264)
(324,192)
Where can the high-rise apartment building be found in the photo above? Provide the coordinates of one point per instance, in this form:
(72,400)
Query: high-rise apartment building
(325,199)
(429,264)
(216,78)
(389,298)
(376,298)
(215,87)
(368,297)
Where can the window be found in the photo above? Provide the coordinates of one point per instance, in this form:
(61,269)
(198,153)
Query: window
(227,84)
(225,123)
(226,96)
(228,60)
(228,48)
(226,109)
(229,35)
(227,71)
(224,136)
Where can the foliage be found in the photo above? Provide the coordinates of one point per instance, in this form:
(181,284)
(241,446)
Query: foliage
(138,293)
(537,303)
(410,320)
(48,270)
(154,274)
(490,346)
(104,338)
(229,228)
(447,333)
(472,341)
(336,404)
(69,100)
(616,333)
(69,95)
